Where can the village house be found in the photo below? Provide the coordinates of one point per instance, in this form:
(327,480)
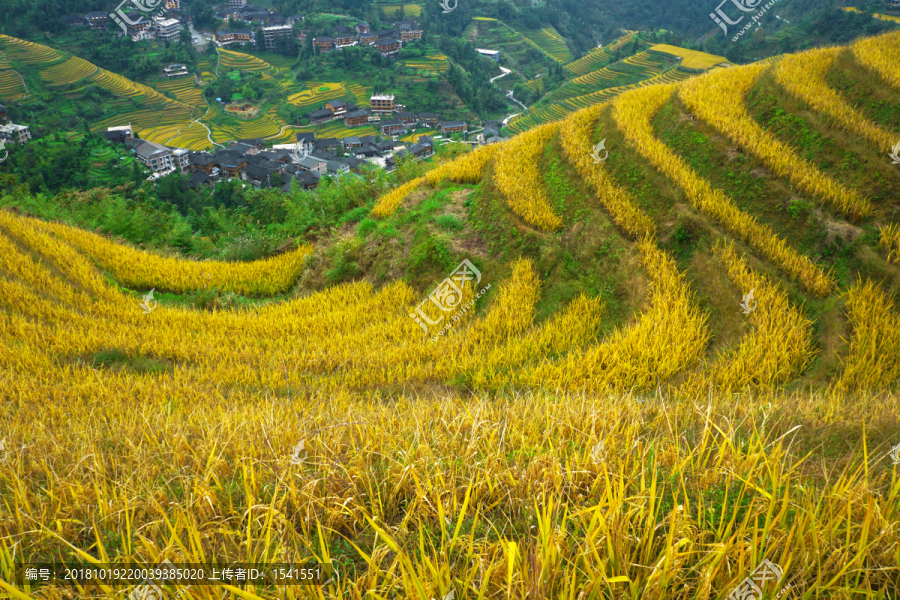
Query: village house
(391,126)
(407,117)
(257,144)
(167,30)
(198,180)
(328,144)
(351,142)
(230,162)
(175,71)
(428,119)
(181,159)
(387,46)
(453,126)
(97,19)
(272,34)
(410,36)
(201,162)
(356,118)
(323,115)
(337,107)
(365,151)
(361,27)
(156,157)
(241,36)
(323,43)
(382,103)
(307,141)
(16,134)
(368,38)
(385,146)
(311,163)
(344,39)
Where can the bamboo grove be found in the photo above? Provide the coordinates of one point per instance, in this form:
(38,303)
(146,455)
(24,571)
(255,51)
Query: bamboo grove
(491,450)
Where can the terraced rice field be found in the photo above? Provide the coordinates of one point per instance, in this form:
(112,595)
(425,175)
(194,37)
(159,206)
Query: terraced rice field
(599,57)
(536,85)
(318,93)
(184,90)
(4,61)
(550,42)
(881,16)
(11,86)
(69,71)
(28,52)
(691,59)
(435,63)
(228,59)
(409,10)
(559,110)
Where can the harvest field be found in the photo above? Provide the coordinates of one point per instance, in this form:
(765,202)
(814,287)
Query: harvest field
(677,360)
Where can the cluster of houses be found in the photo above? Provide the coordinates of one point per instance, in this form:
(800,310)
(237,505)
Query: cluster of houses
(386,41)
(248,160)
(402,121)
(11,133)
(275,26)
(162,27)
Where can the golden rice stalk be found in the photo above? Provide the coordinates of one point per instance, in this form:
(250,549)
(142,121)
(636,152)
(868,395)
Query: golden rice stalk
(779,347)
(388,203)
(874,359)
(633,112)
(669,337)
(465,169)
(889,241)
(718,98)
(520,179)
(140,269)
(804,76)
(882,55)
(575,135)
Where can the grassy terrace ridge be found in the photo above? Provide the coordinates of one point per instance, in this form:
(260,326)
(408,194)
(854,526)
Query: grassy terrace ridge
(603,414)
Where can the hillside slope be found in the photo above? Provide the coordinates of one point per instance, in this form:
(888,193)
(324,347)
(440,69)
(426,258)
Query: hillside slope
(584,409)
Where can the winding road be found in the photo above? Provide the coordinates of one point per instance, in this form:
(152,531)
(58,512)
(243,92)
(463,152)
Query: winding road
(509,94)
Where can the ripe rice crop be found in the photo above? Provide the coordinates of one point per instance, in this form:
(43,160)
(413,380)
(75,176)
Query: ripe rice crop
(11,86)
(142,270)
(669,337)
(803,75)
(634,112)
(469,168)
(575,135)
(519,178)
(882,55)
(718,98)
(778,348)
(69,71)
(874,359)
(388,203)
(889,241)
(691,59)
(28,52)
